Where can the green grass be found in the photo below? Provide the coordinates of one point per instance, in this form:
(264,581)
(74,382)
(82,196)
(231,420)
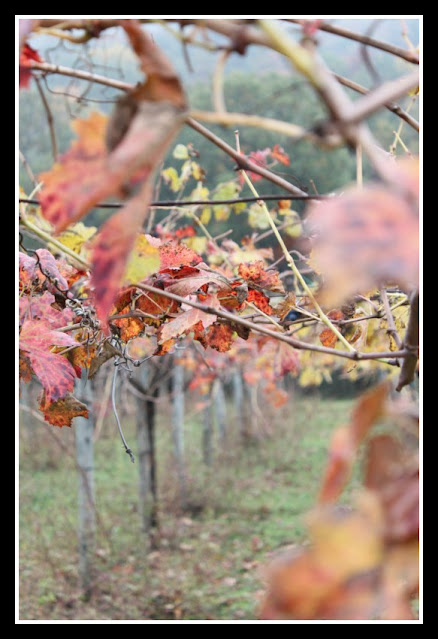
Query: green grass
(209,563)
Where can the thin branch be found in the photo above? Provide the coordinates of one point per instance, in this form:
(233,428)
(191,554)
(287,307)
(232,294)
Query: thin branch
(59,33)
(47,67)
(391,330)
(218,82)
(242,119)
(235,319)
(394,108)
(29,171)
(113,403)
(180,203)
(410,344)
(296,272)
(387,92)
(49,119)
(410,56)
(344,113)
(242,161)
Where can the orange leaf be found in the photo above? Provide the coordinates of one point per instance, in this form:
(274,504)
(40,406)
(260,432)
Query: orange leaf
(260,300)
(393,474)
(280,155)
(328,338)
(220,337)
(61,412)
(254,273)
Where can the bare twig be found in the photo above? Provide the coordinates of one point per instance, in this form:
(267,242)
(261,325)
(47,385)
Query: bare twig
(242,119)
(30,173)
(235,319)
(385,93)
(181,203)
(410,56)
(410,344)
(392,330)
(242,161)
(218,82)
(49,119)
(395,108)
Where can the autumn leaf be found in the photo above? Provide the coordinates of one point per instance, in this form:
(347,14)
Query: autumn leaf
(27,54)
(63,411)
(79,179)
(255,274)
(280,155)
(77,236)
(173,254)
(220,337)
(195,282)
(285,359)
(111,251)
(346,440)
(366,238)
(327,337)
(41,307)
(143,260)
(186,320)
(260,300)
(392,472)
(54,371)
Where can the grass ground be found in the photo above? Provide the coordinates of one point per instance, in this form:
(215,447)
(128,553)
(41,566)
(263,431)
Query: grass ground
(209,563)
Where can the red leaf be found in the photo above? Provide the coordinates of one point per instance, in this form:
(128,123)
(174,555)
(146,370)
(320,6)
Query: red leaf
(50,268)
(194,281)
(27,54)
(40,307)
(260,300)
(173,254)
(54,371)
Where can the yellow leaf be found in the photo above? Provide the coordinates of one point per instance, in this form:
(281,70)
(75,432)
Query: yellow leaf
(221,213)
(143,261)
(205,216)
(197,244)
(76,235)
(172,178)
